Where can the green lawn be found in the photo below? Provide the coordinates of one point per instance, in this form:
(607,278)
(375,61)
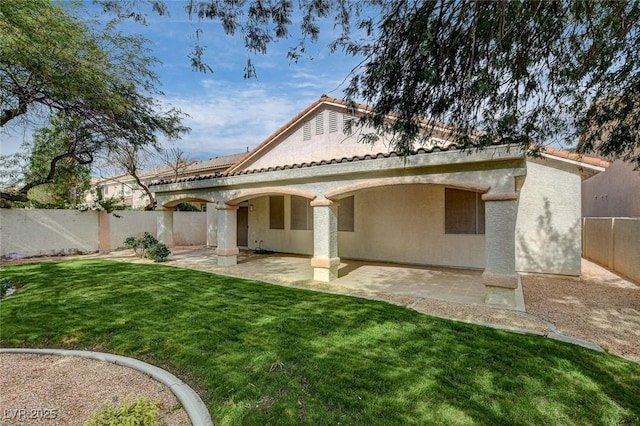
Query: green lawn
(262,354)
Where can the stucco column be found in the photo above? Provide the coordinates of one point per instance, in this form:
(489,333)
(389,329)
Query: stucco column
(500,277)
(325,261)
(212,225)
(165,226)
(227,250)
(104,233)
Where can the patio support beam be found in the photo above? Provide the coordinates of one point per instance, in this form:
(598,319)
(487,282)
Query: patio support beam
(165,226)
(500,278)
(227,250)
(212,225)
(325,261)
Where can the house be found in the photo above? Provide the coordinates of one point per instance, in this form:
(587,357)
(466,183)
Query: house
(124,185)
(311,188)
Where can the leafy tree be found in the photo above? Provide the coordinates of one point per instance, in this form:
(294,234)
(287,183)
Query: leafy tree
(521,72)
(96,82)
(69,179)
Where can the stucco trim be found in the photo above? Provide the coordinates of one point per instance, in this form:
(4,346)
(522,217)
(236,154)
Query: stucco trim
(345,191)
(184,198)
(227,207)
(271,190)
(503,196)
(227,251)
(490,279)
(319,203)
(323,262)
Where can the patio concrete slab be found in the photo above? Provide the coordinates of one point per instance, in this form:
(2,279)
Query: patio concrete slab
(405,283)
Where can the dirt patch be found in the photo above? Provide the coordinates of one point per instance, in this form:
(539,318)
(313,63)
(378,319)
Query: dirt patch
(599,307)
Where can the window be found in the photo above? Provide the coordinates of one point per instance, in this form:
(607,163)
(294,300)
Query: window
(333,121)
(463,212)
(306,131)
(276,212)
(319,124)
(345,214)
(301,213)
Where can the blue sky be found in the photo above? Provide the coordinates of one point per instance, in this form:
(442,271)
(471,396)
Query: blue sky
(228,113)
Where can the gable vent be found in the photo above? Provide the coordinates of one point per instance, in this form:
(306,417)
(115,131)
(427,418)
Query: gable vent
(306,131)
(348,123)
(333,121)
(319,124)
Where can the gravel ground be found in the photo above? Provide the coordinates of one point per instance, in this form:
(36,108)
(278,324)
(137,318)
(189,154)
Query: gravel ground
(600,307)
(53,390)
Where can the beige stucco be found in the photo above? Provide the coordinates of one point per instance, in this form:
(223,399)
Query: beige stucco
(614,243)
(35,232)
(131,223)
(281,240)
(613,193)
(409,229)
(548,227)
(189,228)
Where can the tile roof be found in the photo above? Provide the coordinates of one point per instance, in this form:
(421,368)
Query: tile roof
(212,164)
(352,159)
(581,158)
(235,170)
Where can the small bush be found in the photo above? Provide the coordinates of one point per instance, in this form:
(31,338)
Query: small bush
(5,285)
(148,246)
(148,240)
(141,245)
(158,252)
(134,243)
(138,412)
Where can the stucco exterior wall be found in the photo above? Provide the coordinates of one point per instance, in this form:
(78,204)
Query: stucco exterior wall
(282,240)
(402,224)
(614,243)
(613,193)
(36,232)
(189,228)
(131,223)
(406,224)
(548,225)
(294,149)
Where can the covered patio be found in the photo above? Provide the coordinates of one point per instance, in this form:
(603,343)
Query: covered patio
(402,282)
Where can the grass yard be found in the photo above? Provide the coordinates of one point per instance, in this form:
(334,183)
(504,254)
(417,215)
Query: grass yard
(262,354)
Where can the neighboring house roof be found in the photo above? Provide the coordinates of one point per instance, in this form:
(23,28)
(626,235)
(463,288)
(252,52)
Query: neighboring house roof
(209,166)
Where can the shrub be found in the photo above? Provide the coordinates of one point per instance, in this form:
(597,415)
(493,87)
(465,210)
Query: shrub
(134,243)
(143,244)
(158,252)
(187,207)
(149,247)
(139,412)
(5,285)
(148,240)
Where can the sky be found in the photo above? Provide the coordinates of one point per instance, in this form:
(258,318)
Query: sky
(227,114)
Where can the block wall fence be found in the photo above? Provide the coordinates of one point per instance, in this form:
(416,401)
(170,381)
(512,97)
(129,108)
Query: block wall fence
(40,232)
(613,242)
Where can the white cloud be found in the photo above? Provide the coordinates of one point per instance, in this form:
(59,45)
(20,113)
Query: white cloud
(228,118)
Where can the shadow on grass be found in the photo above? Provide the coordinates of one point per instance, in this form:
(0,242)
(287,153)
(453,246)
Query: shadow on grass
(261,354)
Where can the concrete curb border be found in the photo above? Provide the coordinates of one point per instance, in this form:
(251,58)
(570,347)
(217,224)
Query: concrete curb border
(193,405)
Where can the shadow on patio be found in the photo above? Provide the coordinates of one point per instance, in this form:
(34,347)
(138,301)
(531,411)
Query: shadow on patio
(403,284)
